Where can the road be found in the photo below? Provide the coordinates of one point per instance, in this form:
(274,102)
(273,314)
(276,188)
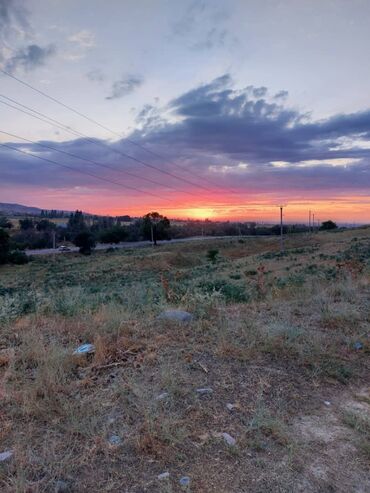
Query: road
(130,244)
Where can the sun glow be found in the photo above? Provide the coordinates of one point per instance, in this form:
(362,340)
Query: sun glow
(198,213)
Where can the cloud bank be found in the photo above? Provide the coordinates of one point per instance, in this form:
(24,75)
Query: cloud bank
(241,138)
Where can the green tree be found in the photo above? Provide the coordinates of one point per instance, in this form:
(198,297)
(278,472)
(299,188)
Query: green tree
(113,235)
(328,225)
(76,222)
(4,246)
(155,227)
(5,223)
(26,224)
(45,225)
(85,241)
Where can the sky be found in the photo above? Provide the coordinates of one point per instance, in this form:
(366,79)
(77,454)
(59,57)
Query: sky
(219,109)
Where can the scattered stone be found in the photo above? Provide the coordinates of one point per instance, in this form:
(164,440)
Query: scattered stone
(62,487)
(358,345)
(115,440)
(185,481)
(5,455)
(176,315)
(162,396)
(327,403)
(231,407)
(85,349)
(205,390)
(229,439)
(164,475)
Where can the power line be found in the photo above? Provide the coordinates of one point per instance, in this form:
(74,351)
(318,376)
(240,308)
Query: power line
(95,122)
(82,158)
(97,142)
(53,122)
(84,172)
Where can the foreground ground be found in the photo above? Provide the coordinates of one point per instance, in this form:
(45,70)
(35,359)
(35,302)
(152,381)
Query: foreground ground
(279,341)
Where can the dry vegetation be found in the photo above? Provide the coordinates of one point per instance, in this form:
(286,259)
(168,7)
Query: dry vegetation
(282,338)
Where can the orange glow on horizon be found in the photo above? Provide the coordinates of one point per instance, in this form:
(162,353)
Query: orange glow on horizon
(218,207)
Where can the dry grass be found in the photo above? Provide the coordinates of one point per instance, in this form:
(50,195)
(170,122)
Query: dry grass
(273,335)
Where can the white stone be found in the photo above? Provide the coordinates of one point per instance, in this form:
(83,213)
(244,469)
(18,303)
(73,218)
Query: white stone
(229,439)
(164,475)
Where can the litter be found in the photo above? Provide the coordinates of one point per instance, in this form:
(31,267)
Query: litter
(85,349)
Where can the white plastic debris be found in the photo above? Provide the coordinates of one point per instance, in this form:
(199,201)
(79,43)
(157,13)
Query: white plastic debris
(205,390)
(162,396)
(5,455)
(164,475)
(85,349)
(229,439)
(185,481)
(327,403)
(115,440)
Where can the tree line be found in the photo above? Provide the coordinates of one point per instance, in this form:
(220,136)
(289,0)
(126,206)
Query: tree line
(85,231)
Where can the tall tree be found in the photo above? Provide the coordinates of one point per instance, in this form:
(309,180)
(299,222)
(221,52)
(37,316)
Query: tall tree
(4,246)
(155,227)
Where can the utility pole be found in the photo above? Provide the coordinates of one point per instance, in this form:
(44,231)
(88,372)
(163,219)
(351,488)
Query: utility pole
(309,221)
(54,240)
(281,229)
(313,222)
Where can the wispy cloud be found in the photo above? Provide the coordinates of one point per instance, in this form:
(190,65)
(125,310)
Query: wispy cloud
(15,27)
(83,39)
(125,86)
(204,27)
(30,57)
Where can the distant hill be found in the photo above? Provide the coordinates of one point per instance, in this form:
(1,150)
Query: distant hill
(22,209)
(19,209)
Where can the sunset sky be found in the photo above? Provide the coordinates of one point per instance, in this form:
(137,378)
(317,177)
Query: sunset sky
(220,109)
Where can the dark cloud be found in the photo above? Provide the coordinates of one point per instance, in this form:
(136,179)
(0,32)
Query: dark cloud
(240,138)
(281,95)
(14,26)
(125,86)
(30,57)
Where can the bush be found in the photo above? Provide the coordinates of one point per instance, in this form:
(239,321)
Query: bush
(212,255)
(230,291)
(18,257)
(85,241)
(4,246)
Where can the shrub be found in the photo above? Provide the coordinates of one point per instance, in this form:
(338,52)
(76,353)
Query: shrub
(230,291)
(85,241)
(212,255)
(18,257)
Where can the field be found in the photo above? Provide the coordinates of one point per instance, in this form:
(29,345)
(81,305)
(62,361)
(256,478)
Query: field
(278,343)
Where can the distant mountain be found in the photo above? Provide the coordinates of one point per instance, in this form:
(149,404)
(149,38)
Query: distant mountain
(25,209)
(19,209)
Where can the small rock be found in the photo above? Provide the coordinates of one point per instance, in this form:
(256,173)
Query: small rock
(205,390)
(85,349)
(62,487)
(231,407)
(162,396)
(185,481)
(176,315)
(5,455)
(229,439)
(115,440)
(327,403)
(164,475)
